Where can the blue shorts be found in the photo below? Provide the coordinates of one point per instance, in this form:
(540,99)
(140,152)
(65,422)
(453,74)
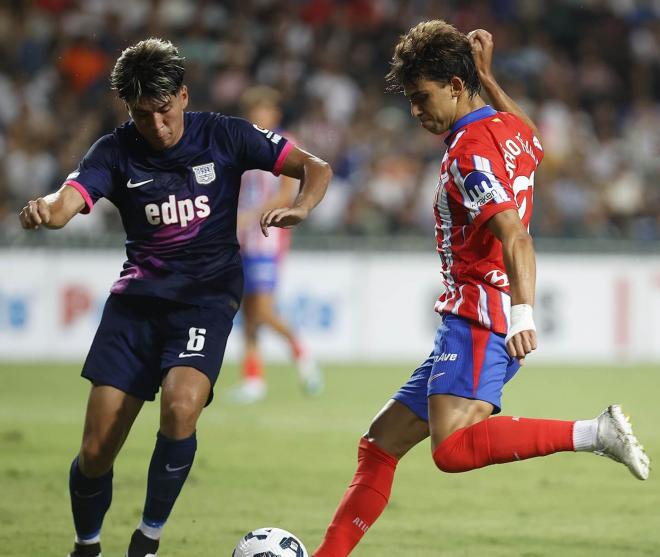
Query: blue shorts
(260,274)
(141,338)
(467,361)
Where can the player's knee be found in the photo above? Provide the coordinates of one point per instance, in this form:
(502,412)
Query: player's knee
(179,417)
(449,460)
(95,459)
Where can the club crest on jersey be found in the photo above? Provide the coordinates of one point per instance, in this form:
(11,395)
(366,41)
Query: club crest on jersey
(204,173)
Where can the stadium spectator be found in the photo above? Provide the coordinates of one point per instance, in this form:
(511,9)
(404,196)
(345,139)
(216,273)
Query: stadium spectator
(587,72)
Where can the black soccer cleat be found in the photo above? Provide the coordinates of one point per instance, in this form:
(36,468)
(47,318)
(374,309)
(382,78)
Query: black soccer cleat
(89,550)
(141,546)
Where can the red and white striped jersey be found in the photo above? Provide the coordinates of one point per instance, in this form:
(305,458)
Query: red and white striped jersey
(488,168)
(257,187)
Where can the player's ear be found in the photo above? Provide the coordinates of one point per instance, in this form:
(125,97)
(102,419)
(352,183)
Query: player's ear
(183,95)
(457,86)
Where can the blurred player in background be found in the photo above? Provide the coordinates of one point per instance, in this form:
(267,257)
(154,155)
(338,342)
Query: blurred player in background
(482,206)
(175,178)
(262,255)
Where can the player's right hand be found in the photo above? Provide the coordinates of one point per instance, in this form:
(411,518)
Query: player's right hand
(521,344)
(35,213)
(481,42)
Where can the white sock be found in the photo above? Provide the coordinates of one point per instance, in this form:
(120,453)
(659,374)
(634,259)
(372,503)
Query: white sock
(88,541)
(152,532)
(585,435)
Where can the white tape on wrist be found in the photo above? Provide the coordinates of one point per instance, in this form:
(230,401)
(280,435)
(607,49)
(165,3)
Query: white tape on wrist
(522,319)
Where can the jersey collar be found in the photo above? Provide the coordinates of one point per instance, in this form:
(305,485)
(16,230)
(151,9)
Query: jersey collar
(479,114)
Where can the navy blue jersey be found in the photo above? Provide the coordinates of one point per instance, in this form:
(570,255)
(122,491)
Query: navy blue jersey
(178,206)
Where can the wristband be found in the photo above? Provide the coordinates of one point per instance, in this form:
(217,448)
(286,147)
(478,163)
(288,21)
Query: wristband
(521,320)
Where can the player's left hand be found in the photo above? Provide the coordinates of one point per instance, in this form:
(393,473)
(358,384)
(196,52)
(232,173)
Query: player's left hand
(481,42)
(283,217)
(521,344)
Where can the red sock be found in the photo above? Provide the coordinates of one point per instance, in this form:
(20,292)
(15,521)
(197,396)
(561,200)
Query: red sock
(297,349)
(362,503)
(502,439)
(253,368)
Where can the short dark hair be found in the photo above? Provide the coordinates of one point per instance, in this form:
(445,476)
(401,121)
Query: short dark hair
(433,50)
(149,69)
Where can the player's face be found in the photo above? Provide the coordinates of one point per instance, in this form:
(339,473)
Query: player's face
(160,122)
(433,104)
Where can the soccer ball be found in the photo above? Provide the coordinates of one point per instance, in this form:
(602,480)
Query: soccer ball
(269,542)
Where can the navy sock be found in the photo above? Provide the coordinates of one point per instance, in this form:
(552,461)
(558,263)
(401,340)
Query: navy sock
(90,499)
(168,470)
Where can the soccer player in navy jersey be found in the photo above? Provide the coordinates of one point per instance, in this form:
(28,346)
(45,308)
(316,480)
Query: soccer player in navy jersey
(175,177)
(482,208)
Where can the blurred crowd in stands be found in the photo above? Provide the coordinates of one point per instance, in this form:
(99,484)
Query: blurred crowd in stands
(586,71)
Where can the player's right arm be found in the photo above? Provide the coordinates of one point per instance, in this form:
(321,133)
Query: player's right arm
(520,265)
(53,210)
(481,42)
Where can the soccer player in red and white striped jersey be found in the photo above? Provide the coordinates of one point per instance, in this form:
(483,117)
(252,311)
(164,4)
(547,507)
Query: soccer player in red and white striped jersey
(482,206)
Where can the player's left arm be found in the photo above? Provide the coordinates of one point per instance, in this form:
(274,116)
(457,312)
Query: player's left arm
(520,264)
(481,42)
(314,175)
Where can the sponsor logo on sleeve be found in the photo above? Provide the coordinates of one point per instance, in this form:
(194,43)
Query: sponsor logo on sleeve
(497,278)
(480,188)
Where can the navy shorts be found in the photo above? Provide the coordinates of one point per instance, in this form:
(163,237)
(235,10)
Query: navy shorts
(260,274)
(140,338)
(467,361)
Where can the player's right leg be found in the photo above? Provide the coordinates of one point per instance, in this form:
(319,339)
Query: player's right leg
(110,415)
(394,431)
(471,368)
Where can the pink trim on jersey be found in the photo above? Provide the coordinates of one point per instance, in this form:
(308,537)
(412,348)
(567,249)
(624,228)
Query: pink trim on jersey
(82,191)
(279,163)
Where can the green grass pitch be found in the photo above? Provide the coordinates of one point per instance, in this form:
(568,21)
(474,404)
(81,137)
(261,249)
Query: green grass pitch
(286,462)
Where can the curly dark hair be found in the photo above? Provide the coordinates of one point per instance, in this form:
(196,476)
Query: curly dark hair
(149,69)
(433,50)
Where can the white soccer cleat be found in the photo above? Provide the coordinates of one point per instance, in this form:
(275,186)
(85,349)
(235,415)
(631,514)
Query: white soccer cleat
(310,375)
(616,440)
(249,391)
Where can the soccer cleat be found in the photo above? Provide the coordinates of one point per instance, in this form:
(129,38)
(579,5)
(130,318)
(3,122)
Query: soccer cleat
(248,392)
(86,550)
(615,440)
(310,375)
(141,546)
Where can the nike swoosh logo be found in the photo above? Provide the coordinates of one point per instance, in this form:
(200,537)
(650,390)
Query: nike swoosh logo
(433,377)
(184,355)
(169,468)
(130,184)
(87,496)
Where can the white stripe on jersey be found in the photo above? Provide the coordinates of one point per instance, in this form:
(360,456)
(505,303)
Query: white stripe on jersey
(483,164)
(484,318)
(458,136)
(467,201)
(506,308)
(459,301)
(447,257)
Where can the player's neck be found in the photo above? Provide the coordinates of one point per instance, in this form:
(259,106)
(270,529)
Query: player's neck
(467,105)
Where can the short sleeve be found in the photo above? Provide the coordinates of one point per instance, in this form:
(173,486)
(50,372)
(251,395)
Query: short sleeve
(483,186)
(93,177)
(251,147)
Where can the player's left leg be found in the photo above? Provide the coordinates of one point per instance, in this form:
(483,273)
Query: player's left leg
(189,333)
(185,391)
(309,372)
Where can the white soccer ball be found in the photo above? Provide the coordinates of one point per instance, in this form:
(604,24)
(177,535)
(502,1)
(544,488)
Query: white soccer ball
(269,542)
